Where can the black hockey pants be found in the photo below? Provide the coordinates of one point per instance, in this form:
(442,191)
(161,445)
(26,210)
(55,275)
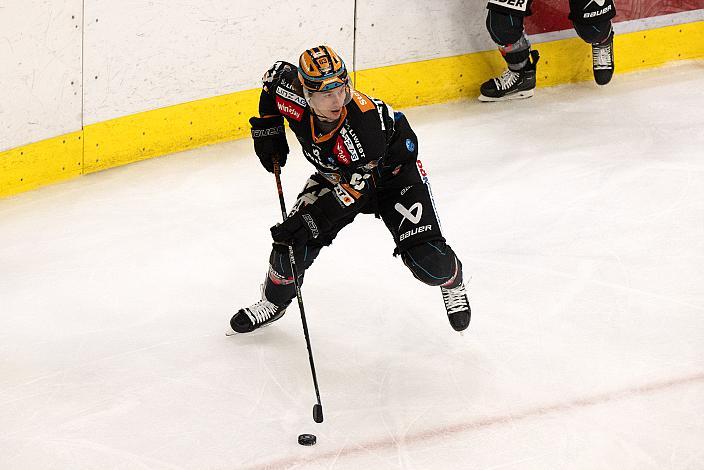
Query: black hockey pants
(405,203)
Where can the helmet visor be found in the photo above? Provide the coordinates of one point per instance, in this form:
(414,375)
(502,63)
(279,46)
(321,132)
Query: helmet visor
(332,99)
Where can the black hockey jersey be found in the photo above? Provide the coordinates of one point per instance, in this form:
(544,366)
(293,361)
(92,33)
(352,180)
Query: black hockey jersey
(370,143)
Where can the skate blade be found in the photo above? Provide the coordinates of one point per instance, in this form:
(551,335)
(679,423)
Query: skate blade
(521,95)
(231,332)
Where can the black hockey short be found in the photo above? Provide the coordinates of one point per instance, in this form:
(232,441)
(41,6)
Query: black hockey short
(581,11)
(406,205)
(403,201)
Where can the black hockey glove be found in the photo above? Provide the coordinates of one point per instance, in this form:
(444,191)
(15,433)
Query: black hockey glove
(297,230)
(269,140)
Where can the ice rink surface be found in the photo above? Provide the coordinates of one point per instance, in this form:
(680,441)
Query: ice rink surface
(578,215)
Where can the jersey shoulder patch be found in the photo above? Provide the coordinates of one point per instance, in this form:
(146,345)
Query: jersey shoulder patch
(364,103)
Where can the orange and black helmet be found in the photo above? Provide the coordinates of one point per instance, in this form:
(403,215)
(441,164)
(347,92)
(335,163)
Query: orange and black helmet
(321,69)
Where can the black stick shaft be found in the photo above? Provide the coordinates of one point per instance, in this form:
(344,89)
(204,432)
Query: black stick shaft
(294,269)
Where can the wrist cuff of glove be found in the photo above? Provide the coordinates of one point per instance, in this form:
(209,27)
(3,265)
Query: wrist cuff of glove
(267,126)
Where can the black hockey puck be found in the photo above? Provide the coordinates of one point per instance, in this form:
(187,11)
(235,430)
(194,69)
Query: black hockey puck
(306,439)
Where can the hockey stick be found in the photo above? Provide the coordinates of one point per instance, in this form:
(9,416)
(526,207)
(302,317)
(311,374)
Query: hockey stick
(318,407)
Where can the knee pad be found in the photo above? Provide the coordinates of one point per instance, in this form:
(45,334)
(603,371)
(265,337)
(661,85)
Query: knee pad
(433,263)
(504,29)
(593,33)
(591,11)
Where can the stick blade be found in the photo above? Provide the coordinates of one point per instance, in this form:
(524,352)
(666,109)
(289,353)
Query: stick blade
(318,413)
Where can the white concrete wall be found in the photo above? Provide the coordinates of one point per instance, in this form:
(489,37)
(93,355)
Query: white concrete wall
(138,55)
(151,54)
(399,32)
(40,70)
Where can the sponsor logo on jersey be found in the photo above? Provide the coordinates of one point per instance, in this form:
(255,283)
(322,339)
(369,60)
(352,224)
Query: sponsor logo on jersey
(362,101)
(593,14)
(288,108)
(312,153)
(408,213)
(380,105)
(520,5)
(341,152)
(423,173)
(315,159)
(291,96)
(343,196)
(415,231)
(352,143)
(410,145)
(403,191)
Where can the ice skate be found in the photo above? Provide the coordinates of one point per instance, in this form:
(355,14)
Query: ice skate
(255,316)
(512,85)
(603,60)
(457,305)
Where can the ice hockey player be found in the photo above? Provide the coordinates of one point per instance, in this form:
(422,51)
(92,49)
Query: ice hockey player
(365,156)
(591,20)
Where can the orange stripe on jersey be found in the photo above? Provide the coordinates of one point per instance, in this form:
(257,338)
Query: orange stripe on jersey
(327,136)
(363,101)
(355,194)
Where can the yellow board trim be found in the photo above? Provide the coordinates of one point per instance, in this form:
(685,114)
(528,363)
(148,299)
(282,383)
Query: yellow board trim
(167,130)
(41,163)
(563,61)
(176,128)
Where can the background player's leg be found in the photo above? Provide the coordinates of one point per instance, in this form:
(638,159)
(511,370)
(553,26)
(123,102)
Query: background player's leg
(505,25)
(592,22)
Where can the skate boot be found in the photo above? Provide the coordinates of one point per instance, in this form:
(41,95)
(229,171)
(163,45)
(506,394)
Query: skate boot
(458,311)
(512,85)
(255,316)
(603,60)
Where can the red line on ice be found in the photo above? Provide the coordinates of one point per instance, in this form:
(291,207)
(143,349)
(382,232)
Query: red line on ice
(388,443)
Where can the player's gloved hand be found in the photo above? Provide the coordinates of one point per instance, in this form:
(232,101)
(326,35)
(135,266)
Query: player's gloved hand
(269,140)
(307,224)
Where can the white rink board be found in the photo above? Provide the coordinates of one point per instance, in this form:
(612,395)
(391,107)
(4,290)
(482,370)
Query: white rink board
(388,34)
(149,55)
(138,56)
(40,70)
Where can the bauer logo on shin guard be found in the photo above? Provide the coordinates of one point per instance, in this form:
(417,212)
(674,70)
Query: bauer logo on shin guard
(410,233)
(594,14)
(520,5)
(408,213)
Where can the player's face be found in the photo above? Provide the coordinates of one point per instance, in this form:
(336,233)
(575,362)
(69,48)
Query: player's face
(328,104)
